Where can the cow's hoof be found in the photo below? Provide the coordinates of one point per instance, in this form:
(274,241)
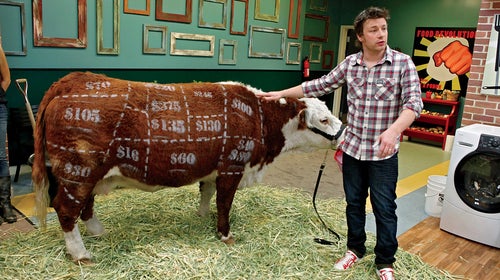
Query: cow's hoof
(85,262)
(94,227)
(228,240)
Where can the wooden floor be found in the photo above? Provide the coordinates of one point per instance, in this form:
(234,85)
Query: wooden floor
(445,251)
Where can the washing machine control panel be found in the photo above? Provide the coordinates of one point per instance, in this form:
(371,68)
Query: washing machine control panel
(489,142)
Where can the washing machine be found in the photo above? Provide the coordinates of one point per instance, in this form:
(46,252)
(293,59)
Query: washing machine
(471,205)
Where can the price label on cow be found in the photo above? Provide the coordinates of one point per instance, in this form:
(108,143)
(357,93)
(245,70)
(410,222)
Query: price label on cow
(182,158)
(243,151)
(97,85)
(77,170)
(177,126)
(161,106)
(127,153)
(243,107)
(208,125)
(82,114)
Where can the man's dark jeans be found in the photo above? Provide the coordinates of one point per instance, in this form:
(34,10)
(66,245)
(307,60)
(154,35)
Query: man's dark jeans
(381,178)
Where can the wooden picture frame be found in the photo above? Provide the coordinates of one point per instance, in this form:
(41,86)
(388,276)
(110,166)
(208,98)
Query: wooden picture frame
(327,61)
(40,41)
(293,30)
(216,25)
(222,44)
(315,50)
(115,50)
(174,50)
(318,5)
(185,18)
(245,20)
(128,10)
(146,48)
(295,60)
(22,22)
(267,17)
(326,21)
(252,52)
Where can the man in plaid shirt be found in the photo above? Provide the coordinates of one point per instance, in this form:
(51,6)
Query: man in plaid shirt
(383,98)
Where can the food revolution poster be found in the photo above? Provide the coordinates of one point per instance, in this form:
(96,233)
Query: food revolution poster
(443,57)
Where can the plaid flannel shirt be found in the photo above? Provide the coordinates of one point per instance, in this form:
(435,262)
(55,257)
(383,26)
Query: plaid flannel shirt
(375,97)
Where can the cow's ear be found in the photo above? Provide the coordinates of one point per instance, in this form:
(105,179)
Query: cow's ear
(302,119)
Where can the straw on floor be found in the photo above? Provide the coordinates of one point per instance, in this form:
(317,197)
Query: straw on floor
(159,236)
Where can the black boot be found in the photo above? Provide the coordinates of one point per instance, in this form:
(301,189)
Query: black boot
(5,206)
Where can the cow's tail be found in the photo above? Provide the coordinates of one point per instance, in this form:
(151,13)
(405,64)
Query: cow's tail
(39,171)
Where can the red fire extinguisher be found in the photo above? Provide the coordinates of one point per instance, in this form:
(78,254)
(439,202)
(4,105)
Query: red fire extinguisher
(305,65)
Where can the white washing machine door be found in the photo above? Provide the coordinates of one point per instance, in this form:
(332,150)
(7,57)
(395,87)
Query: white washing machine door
(477,176)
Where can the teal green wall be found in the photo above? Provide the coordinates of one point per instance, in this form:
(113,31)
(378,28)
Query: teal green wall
(44,65)
(407,15)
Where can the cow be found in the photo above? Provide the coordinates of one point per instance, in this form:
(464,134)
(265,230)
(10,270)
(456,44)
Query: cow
(94,133)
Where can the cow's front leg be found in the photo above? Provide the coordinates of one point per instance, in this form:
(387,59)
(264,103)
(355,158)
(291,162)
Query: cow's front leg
(93,225)
(226,189)
(75,246)
(207,190)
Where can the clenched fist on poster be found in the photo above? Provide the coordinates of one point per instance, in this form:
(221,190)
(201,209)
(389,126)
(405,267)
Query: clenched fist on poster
(455,56)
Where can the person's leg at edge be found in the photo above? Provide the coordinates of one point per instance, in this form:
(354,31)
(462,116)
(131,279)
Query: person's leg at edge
(383,179)
(356,192)
(5,185)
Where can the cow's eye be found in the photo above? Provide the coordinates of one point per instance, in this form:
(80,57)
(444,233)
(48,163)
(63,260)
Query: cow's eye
(324,121)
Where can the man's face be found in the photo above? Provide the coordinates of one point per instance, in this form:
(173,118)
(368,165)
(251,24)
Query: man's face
(374,37)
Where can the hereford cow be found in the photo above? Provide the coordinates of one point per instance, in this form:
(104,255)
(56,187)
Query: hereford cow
(94,133)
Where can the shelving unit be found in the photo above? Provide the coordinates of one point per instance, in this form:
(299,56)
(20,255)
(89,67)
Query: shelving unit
(448,122)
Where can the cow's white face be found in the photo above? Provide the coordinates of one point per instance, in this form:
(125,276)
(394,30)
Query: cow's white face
(321,124)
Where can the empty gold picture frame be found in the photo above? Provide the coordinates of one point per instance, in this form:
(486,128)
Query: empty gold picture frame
(318,5)
(40,41)
(185,18)
(22,28)
(116,29)
(221,24)
(128,10)
(267,17)
(289,49)
(146,48)
(293,30)
(174,50)
(223,43)
(234,30)
(315,50)
(253,49)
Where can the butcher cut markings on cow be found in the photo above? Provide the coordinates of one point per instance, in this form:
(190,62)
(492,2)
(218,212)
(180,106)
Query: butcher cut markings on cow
(162,128)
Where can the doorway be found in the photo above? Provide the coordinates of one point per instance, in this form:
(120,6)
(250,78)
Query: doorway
(347,46)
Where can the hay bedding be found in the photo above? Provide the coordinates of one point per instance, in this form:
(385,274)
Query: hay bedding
(159,236)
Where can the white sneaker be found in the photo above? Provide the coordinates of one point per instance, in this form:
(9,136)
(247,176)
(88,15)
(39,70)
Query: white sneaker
(386,273)
(346,261)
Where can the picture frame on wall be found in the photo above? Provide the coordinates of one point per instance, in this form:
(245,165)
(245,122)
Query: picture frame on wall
(16,30)
(224,45)
(115,49)
(294,17)
(129,9)
(209,8)
(266,42)
(238,14)
(39,40)
(175,49)
(261,15)
(293,53)
(147,47)
(164,15)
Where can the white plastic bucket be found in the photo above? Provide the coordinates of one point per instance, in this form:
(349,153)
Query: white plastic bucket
(434,195)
